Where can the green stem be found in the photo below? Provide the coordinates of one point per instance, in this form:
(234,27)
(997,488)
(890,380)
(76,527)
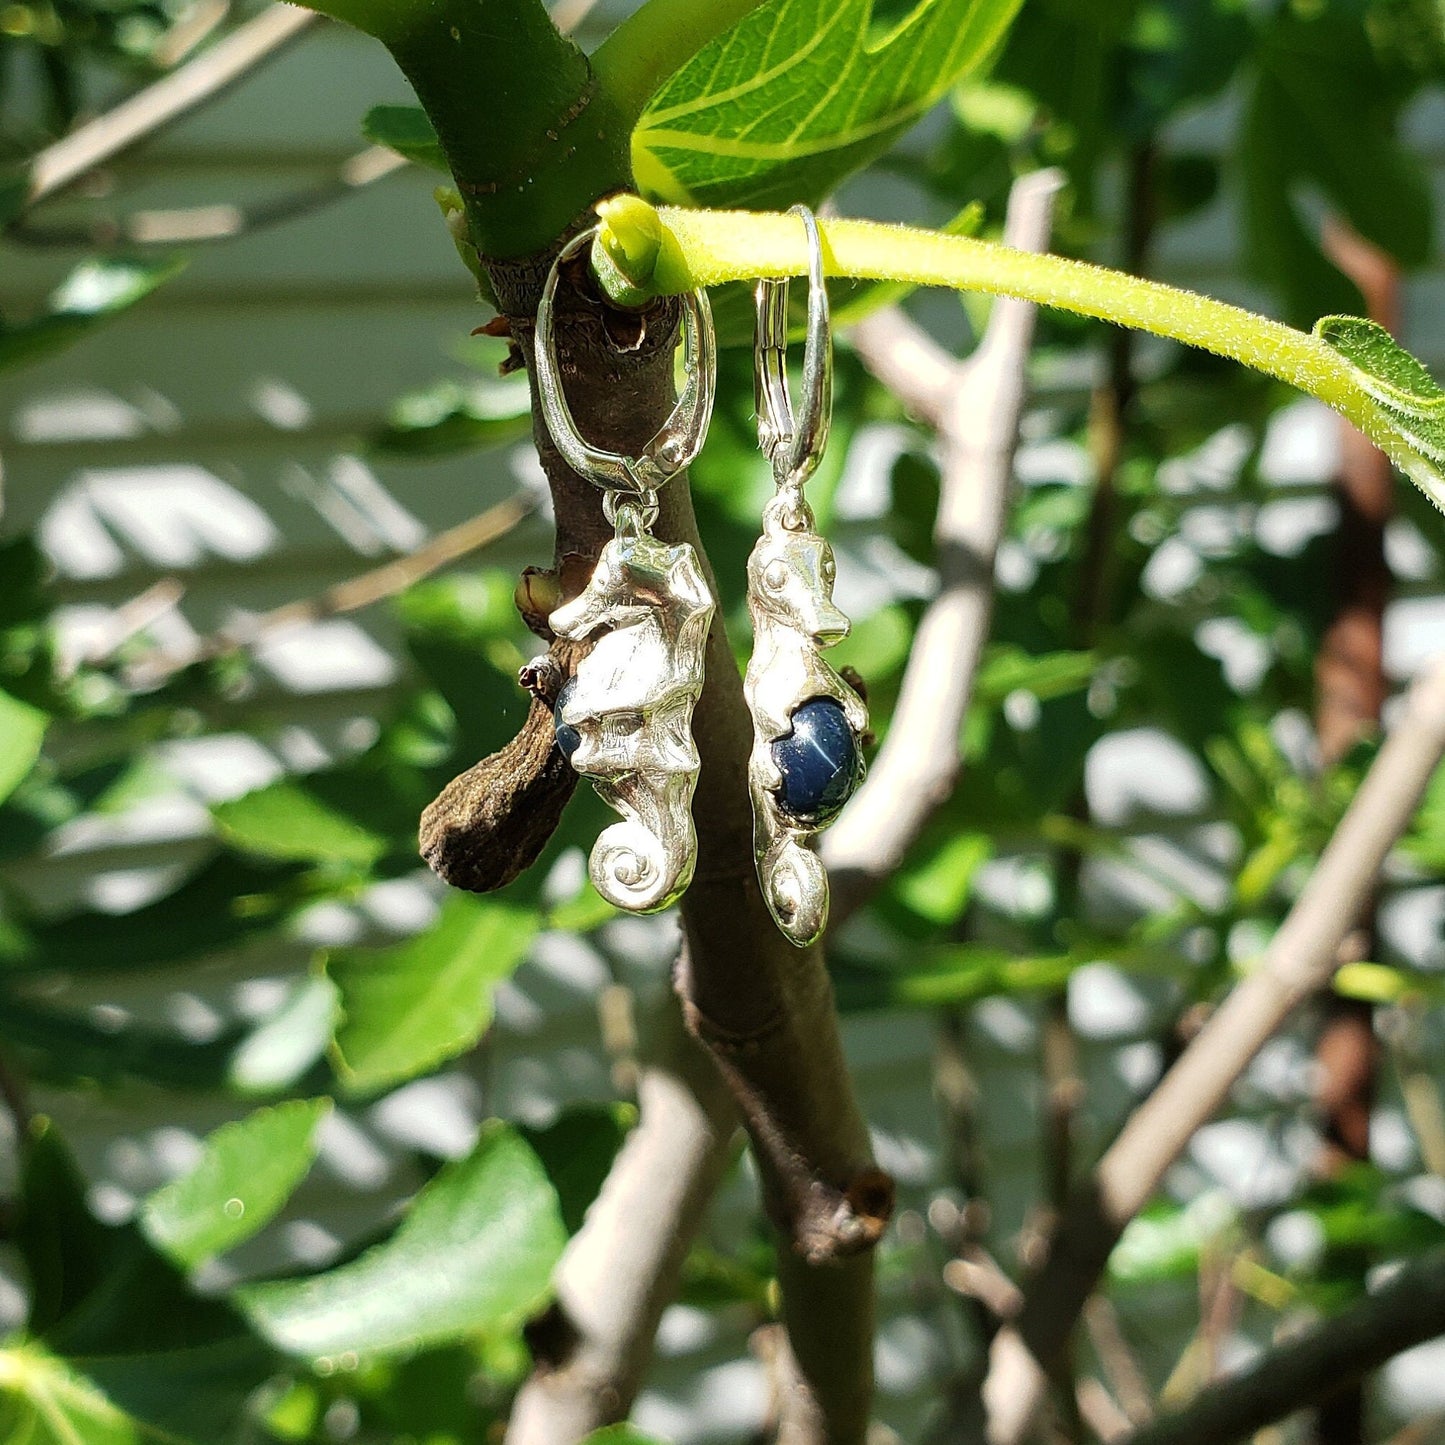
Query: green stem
(643,250)
(658,39)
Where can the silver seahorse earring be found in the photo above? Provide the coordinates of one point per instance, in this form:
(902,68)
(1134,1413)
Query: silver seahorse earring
(624,719)
(807,721)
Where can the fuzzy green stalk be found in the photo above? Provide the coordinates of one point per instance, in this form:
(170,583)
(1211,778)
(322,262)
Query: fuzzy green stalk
(645,251)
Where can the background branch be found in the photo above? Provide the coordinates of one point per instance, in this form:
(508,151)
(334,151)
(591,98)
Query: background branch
(975,405)
(166,100)
(355,593)
(622,1267)
(1329,1358)
(1299,961)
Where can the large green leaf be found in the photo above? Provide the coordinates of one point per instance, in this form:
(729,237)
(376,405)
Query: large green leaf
(43,1402)
(247,1172)
(122,1314)
(93,292)
(67,1046)
(409,1007)
(799,94)
(224,903)
(475,1252)
(1322,115)
(22,730)
(620,1435)
(286,819)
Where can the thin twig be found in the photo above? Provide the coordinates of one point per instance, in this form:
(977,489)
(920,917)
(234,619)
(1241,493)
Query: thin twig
(621,1268)
(1100,1411)
(976,407)
(1298,963)
(976,1275)
(351,595)
(1125,1374)
(143,114)
(173,96)
(1312,1366)
(206,225)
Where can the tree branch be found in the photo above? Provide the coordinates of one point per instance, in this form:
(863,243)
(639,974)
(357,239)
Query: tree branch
(828,1307)
(1299,961)
(975,406)
(351,595)
(622,1267)
(167,99)
(1332,1356)
(763,1008)
(204,225)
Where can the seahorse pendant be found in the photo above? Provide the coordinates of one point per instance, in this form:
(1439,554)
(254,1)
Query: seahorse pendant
(807,721)
(624,720)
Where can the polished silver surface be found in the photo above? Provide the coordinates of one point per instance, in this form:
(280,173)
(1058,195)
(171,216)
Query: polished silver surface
(628,707)
(631,703)
(680,437)
(793,449)
(790,596)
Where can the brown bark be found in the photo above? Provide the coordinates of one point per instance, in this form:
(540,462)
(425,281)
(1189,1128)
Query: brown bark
(1351,689)
(761,1007)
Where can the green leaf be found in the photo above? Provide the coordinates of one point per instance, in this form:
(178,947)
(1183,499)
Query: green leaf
(69,1047)
(1046,675)
(799,94)
(288,1043)
(407,1008)
(475,1252)
(44,1402)
(14,192)
(247,1172)
(620,1435)
(22,730)
(119,1311)
(450,417)
(286,819)
(226,902)
(94,291)
(937,888)
(1323,115)
(406,130)
(1165,1241)
(949,977)
(1410,405)
(577,1152)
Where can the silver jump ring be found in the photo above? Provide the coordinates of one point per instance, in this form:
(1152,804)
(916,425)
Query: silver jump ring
(678,439)
(794,449)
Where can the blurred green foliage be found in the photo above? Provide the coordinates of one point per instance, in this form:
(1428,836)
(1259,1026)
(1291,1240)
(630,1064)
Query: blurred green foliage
(419,1331)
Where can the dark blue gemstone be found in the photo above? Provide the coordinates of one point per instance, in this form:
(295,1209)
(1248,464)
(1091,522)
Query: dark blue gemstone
(568,738)
(819,761)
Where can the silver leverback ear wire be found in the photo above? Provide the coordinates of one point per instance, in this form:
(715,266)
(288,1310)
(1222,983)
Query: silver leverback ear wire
(624,719)
(794,450)
(808,722)
(678,439)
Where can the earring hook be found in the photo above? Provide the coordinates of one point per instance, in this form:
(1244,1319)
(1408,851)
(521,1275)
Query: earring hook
(676,442)
(794,449)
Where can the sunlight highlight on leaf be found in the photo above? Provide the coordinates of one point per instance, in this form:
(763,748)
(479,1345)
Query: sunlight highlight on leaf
(248,1171)
(728,129)
(476,1251)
